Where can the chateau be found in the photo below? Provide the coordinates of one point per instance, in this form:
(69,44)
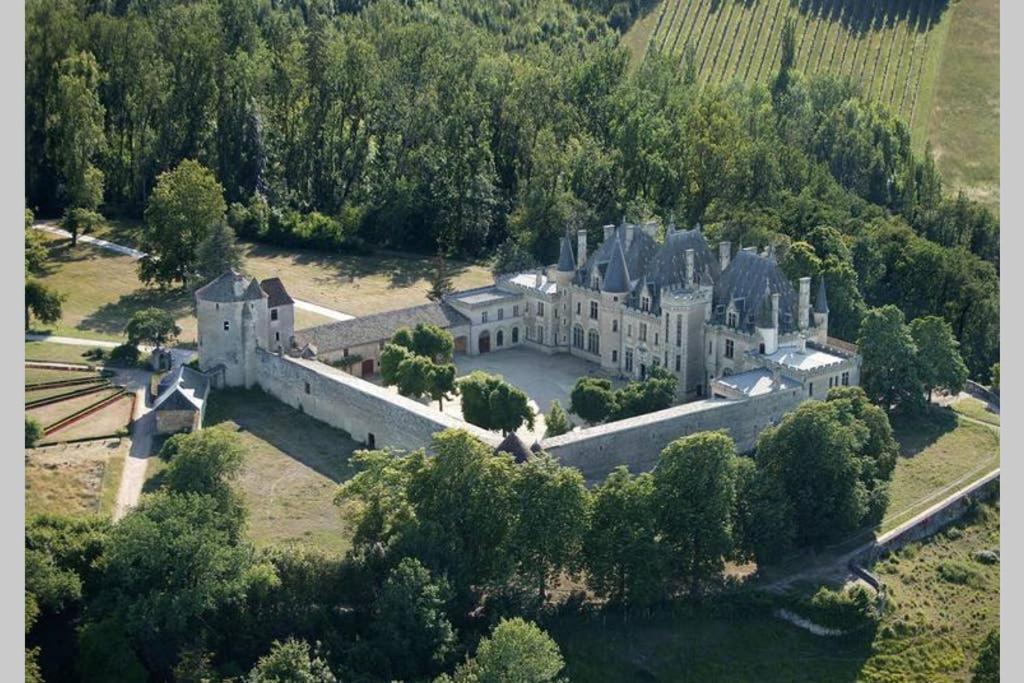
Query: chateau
(725,324)
(745,346)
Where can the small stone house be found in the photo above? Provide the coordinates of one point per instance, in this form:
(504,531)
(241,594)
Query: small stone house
(181,403)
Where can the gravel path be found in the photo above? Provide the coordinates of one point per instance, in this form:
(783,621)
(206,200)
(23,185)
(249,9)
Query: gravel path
(133,476)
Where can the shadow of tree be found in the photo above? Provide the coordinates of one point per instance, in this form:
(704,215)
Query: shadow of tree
(861,16)
(112,318)
(917,432)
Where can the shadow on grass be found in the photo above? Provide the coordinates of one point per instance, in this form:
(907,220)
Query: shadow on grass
(861,16)
(323,449)
(401,269)
(917,432)
(112,318)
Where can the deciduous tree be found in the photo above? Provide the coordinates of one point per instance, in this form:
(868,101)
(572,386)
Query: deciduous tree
(557,422)
(592,399)
(890,371)
(43,303)
(517,651)
(151,326)
(939,364)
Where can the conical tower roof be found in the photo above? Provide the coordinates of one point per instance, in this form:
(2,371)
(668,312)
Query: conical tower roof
(616,278)
(821,301)
(566,263)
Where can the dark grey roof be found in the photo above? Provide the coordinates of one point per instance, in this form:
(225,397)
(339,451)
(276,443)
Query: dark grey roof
(566,263)
(229,287)
(616,278)
(821,301)
(744,282)
(276,293)
(670,264)
(765,317)
(377,327)
(186,390)
(515,447)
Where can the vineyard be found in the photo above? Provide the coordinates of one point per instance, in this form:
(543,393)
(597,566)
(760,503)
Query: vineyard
(889,46)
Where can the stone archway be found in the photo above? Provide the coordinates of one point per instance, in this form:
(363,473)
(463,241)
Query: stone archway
(484,341)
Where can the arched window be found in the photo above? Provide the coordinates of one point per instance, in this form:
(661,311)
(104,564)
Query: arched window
(499,339)
(515,335)
(577,337)
(593,342)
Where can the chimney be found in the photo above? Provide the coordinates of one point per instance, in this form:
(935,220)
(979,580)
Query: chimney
(690,272)
(608,231)
(629,235)
(581,248)
(775,310)
(801,344)
(805,302)
(724,254)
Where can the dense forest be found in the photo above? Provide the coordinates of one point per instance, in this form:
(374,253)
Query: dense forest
(461,127)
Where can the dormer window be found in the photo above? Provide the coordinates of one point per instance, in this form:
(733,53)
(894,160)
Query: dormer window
(596,282)
(645,303)
(732,319)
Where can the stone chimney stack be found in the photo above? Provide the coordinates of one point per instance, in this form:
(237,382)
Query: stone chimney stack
(724,254)
(581,248)
(691,273)
(775,310)
(629,236)
(608,229)
(805,303)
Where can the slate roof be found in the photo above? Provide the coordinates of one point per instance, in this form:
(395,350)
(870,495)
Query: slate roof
(616,279)
(515,447)
(821,301)
(566,262)
(276,293)
(748,280)
(232,286)
(378,327)
(186,390)
(649,266)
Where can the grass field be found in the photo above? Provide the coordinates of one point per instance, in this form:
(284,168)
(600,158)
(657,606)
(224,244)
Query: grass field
(103,290)
(54,412)
(105,422)
(57,353)
(34,375)
(74,478)
(931,631)
(932,62)
(292,469)
(975,409)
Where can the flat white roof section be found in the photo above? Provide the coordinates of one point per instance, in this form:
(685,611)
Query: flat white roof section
(808,359)
(754,382)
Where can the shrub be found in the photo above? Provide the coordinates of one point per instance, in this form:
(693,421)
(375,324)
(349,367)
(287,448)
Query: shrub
(847,610)
(33,431)
(986,556)
(958,572)
(95,354)
(126,355)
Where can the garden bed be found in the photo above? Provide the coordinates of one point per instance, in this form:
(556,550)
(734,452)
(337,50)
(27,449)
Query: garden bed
(55,412)
(105,422)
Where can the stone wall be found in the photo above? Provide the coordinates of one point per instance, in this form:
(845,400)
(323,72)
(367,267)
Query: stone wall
(355,405)
(638,441)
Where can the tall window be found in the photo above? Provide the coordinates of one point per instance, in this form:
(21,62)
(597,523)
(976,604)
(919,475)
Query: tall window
(643,332)
(615,326)
(540,308)
(629,330)
(731,319)
(728,348)
(515,335)
(483,317)
(679,330)
(615,356)
(273,314)
(515,311)
(577,337)
(501,314)
(678,362)
(846,379)
(645,303)
(540,333)
(501,338)
(810,388)
(629,360)
(593,342)
(579,307)
(593,310)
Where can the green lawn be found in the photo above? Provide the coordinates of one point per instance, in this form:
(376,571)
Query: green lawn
(103,290)
(963,119)
(931,632)
(939,455)
(58,353)
(973,408)
(292,469)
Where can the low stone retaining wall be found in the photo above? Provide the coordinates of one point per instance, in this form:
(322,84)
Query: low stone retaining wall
(982,392)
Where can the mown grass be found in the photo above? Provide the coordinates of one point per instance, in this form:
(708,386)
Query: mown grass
(103,290)
(973,408)
(931,630)
(292,468)
(59,353)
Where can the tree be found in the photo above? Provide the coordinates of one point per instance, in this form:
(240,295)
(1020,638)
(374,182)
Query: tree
(184,208)
(763,523)
(391,358)
(33,431)
(440,281)
(291,661)
(889,374)
(75,132)
(217,253)
(995,377)
(43,303)
(442,384)
(557,422)
(592,399)
(35,246)
(203,462)
(488,401)
(409,623)
(553,509)
(938,359)
(813,456)
(517,651)
(79,221)
(511,257)
(624,561)
(170,565)
(151,326)
(656,392)
(433,342)
(414,376)
(986,668)
(694,493)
